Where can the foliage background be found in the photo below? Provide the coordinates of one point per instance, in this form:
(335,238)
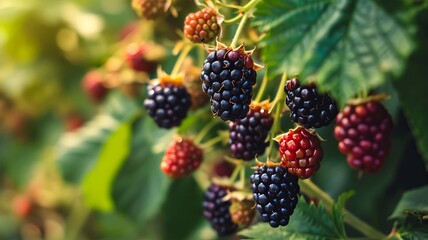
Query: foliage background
(104,182)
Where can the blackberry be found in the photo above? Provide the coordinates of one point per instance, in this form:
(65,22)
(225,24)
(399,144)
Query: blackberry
(149,9)
(216,210)
(228,77)
(93,86)
(275,192)
(300,152)
(363,132)
(181,158)
(242,209)
(307,106)
(247,137)
(167,102)
(136,57)
(202,26)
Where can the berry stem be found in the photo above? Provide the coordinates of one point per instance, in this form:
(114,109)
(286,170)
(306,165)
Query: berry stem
(280,94)
(183,54)
(235,173)
(212,142)
(76,219)
(242,180)
(201,135)
(312,190)
(262,87)
(239,30)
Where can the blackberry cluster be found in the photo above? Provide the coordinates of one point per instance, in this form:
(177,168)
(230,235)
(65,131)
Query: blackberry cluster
(167,104)
(307,106)
(149,9)
(363,133)
(202,26)
(216,210)
(228,77)
(247,137)
(275,192)
(300,152)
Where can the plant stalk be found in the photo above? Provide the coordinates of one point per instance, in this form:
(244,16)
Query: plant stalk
(312,190)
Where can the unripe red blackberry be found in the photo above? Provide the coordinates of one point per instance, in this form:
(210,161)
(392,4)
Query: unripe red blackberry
(136,57)
(275,192)
(363,132)
(93,86)
(247,137)
(300,152)
(242,209)
(223,169)
(167,101)
(228,77)
(307,106)
(202,26)
(149,9)
(216,210)
(181,158)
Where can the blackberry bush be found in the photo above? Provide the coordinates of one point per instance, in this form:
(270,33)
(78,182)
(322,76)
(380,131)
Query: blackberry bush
(248,136)
(216,210)
(275,192)
(228,77)
(300,152)
(363,132)
(307,106)
(167,101)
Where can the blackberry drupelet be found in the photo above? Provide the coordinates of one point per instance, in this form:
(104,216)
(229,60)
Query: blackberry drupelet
(275,192)
(363,132)
(247,137)
(202,26)
(216,210)
(300,152)
(167,102)
(181,158)
(307,106)
(228,77)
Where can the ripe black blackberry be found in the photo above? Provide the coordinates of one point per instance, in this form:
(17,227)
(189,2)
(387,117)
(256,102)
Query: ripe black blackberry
(167,102)
(216,210)
(247,137)
(228,77)
(275,192)
(307,106)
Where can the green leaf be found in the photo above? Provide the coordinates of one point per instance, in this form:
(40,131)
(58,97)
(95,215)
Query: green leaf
(140,186)
(78,151)
(337,213)
(346,46)
(187,194)
(413,201)
(97,183)
(307,222)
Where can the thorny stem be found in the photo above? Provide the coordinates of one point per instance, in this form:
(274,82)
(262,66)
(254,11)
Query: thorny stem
(312,190)
(181,58)
(262,87)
